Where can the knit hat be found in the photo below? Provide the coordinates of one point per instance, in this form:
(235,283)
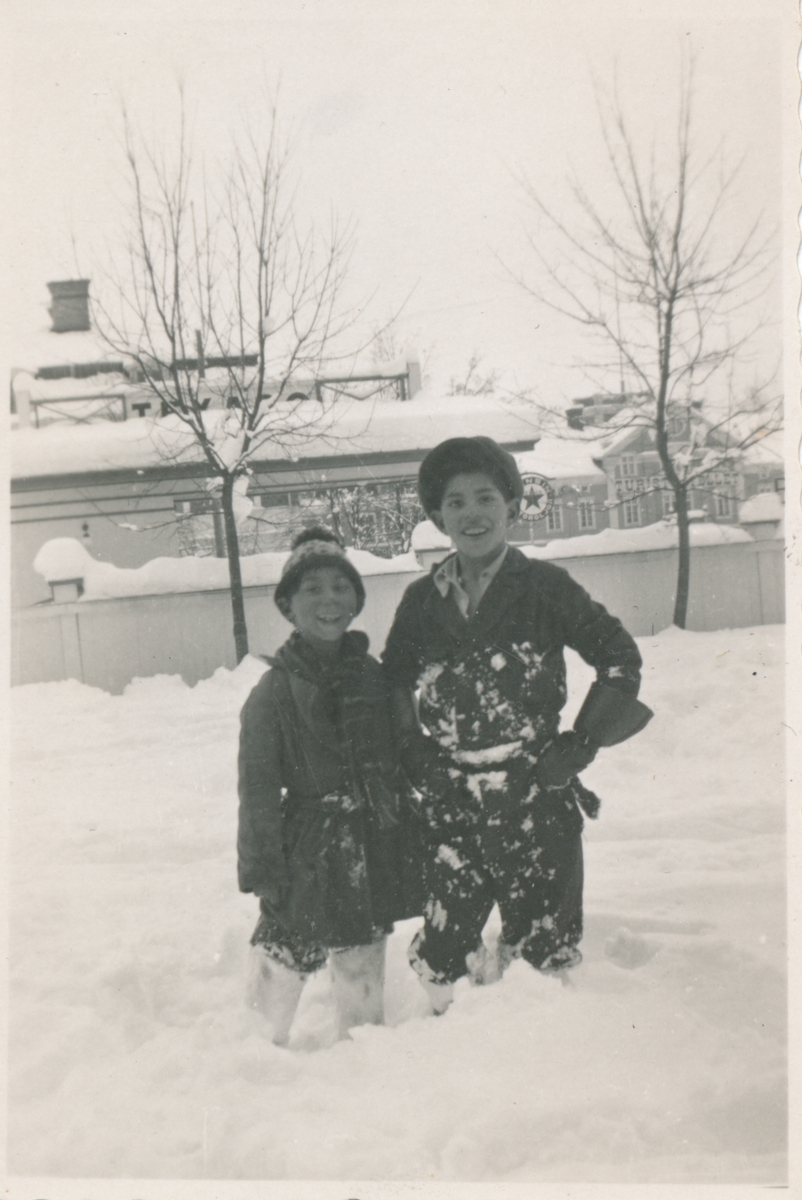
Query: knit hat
(466,456)
(311,548)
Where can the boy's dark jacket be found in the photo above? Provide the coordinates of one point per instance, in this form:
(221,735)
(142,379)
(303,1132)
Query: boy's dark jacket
(322,808)
(500,677)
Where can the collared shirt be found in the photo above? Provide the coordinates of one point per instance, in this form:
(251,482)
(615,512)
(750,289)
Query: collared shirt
(447,579)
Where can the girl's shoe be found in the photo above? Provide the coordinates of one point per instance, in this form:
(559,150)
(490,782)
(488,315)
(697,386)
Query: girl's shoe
(358,984)
(275,991)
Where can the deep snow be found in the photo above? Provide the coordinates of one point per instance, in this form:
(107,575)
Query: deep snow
(134,1055)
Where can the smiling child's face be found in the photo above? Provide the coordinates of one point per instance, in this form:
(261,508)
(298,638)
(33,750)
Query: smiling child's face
(476,516)
(323,606)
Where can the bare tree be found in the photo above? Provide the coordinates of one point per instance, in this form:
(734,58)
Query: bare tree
(224,302)
(670,298)
(474,382)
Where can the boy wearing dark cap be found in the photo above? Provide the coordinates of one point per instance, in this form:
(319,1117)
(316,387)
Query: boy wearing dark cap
(481,640)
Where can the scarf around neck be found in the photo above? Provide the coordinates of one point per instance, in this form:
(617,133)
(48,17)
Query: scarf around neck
(342,704)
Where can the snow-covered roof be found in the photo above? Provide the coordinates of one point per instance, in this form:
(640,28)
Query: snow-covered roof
(105,383)
(36,345)
(765,506)
(556,458)
(346,428)
(629,424)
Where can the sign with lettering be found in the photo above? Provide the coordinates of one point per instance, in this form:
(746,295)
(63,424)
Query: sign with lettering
(538,498)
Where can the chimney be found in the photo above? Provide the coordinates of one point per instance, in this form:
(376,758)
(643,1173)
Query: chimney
(70,305)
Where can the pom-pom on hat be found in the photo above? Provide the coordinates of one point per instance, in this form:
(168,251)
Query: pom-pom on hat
(311,548)
(466,456)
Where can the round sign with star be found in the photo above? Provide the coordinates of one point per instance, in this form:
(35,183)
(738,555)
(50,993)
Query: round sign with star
(538,498)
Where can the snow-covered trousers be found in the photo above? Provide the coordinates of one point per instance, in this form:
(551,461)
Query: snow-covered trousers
(501,840)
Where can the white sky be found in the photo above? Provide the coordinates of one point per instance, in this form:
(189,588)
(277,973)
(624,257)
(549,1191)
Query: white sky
(410,118)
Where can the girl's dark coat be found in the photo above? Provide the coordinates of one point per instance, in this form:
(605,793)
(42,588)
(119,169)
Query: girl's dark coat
(324,818)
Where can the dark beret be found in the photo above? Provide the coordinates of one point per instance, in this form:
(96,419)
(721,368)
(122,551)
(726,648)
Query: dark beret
(466,456)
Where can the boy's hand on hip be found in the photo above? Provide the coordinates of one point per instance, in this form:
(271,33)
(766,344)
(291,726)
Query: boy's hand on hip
(564,758)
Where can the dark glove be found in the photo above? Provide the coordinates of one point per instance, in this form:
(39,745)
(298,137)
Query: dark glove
(610,716)
(564,758)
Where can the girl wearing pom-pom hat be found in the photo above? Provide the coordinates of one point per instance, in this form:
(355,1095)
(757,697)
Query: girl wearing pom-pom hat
(326,834)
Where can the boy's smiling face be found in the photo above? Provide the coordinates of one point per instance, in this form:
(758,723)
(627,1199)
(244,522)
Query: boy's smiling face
(476,516)
(323,606)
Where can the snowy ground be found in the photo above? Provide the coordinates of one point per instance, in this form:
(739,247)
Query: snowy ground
(134,1056)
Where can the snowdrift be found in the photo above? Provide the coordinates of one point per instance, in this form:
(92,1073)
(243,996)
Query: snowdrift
(134,1055)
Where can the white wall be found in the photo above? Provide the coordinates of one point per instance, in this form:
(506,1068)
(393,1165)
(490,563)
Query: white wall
(106,643)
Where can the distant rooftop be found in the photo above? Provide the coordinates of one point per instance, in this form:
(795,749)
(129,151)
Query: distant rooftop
(348,427)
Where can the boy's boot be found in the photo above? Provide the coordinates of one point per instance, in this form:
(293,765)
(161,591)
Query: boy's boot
(358,985)
(484,966)
(440,995)
(275,990)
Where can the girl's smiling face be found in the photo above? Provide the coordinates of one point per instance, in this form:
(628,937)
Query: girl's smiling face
(323,606)
(476,516)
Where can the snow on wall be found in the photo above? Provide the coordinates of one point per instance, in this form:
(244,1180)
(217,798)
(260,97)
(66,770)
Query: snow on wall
(660,536)
(67,558)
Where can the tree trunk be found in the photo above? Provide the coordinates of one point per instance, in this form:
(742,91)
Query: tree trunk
(684,566)
(234,569)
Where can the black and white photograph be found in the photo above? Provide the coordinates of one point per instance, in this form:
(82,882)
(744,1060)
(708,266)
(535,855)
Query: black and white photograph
(401,733)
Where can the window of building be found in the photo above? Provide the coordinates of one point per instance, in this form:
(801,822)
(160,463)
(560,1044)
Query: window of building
(272,499)
(669,503)
(554,520)
(587,515)
(723,506)
(675,426)
(196,507)
(627,465)
(631,512)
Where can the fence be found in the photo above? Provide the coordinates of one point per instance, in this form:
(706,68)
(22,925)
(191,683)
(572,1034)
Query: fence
(107,643)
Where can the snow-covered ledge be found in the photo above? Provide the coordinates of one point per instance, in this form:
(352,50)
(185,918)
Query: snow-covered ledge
(429,545)
(73,574)
(64,563)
